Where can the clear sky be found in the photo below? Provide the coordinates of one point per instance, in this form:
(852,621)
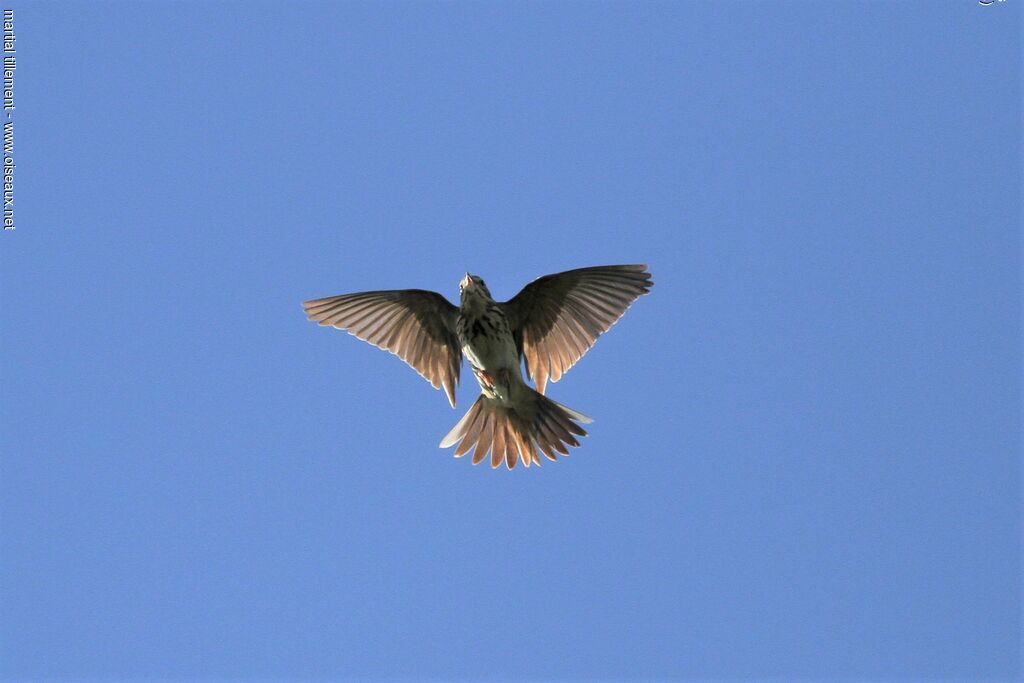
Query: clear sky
(805,459)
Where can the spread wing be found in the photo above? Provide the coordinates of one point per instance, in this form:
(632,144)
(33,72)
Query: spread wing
(557,318)
(416,325)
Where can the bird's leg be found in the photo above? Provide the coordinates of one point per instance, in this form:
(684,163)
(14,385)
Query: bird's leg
(483,377)
(493,387)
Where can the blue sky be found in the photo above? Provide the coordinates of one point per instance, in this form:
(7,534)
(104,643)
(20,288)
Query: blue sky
(806,454)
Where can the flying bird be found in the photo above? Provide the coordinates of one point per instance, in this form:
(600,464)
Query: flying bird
(547,326)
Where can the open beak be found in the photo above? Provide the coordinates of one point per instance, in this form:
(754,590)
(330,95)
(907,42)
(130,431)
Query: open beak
(466,282)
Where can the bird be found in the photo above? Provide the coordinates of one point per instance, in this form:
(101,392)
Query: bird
(546,328)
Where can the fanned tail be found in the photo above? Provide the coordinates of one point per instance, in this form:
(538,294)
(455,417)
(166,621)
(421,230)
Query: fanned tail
(515,433)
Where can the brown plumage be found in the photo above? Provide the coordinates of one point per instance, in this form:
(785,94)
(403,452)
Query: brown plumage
(414,324)
(557,318)
(549,325)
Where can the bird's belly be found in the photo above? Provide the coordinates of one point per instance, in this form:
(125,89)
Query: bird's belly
(488,345)
(495,365)
(492,354)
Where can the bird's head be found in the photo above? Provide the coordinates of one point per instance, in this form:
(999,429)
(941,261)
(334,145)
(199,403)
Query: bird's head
(472,286)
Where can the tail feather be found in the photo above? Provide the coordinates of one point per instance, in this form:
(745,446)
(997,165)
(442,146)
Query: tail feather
(471,429)
(498,444)
(535,425)
(575,415)
(462,426)
(483,443)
